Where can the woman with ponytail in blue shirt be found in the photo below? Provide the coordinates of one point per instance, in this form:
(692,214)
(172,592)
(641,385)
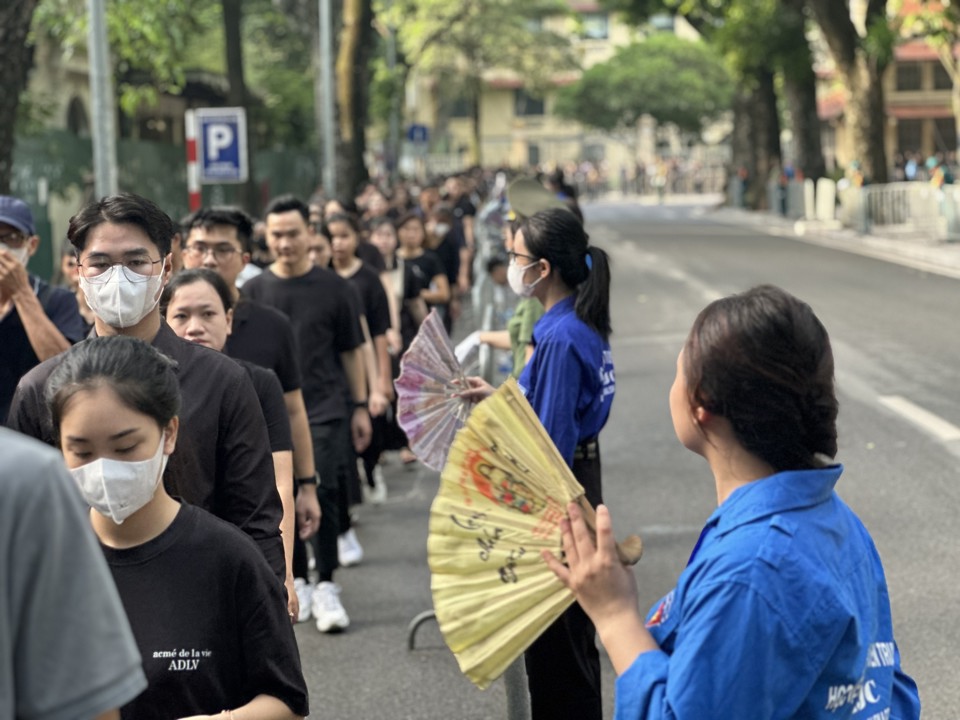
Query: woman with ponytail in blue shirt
(569,382)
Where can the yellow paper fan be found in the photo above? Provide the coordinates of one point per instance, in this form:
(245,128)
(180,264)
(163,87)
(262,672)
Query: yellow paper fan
(503,493)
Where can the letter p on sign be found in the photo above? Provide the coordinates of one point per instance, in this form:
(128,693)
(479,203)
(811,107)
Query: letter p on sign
(219,138)
(222,140)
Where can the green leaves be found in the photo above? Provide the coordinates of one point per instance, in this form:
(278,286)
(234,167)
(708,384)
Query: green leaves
(675,81)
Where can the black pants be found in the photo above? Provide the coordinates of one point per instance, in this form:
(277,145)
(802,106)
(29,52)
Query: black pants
(563,664)
(331,455)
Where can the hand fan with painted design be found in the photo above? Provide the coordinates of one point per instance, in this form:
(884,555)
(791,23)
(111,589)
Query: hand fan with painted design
(429,408)
(502,494)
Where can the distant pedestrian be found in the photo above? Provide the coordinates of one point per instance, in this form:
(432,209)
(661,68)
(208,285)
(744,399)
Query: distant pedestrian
(205,608)
(783,609)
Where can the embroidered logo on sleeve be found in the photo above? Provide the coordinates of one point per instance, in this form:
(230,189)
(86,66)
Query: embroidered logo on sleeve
(662,612)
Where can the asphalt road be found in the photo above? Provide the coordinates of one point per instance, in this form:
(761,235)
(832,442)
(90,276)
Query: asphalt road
(894,331)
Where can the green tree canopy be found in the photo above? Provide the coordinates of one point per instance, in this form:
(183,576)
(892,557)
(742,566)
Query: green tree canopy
(675,81)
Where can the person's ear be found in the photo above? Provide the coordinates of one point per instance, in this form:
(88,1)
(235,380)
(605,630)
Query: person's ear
(167,267)
(246,258)
(230,321)
(33,242)
(170,435)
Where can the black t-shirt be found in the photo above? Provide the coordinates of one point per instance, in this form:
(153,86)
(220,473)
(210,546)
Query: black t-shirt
(210,621)
(223,451)
(449,255)
(373,299)
(371,256)
(264,336)
(270,395)
(425,267)
(462,208)
(326,322)
(16,353)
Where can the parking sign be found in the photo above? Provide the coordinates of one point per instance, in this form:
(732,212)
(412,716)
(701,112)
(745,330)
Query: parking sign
(222,145)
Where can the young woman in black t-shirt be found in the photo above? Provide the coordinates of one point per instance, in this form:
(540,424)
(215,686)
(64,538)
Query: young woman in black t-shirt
(343,233)
(428,268)
(198,306)
(205,608)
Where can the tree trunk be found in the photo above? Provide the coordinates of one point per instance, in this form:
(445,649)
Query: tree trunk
(800,91)
(743,169)
(862,74)
(15,60)
(766,136)
(237,95)
(476,139)
(353,76)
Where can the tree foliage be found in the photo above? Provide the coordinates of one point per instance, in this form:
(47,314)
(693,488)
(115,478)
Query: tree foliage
(461,40)
(675,81)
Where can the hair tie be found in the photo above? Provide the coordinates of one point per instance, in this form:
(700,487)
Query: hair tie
(589,260)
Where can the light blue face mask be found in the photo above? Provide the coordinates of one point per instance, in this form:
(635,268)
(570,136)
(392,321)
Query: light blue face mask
(22,254)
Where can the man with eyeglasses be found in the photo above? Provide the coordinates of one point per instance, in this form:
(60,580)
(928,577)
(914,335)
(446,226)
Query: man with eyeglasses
(37,320)
(123,245)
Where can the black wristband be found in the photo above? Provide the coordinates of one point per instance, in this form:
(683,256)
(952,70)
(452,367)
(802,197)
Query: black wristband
(312,480)
(360,403)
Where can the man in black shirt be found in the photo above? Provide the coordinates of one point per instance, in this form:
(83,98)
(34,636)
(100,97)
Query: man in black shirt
(219,239)
(326,323)
(123,246)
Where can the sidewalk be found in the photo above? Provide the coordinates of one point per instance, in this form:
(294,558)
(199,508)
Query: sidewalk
(941,258)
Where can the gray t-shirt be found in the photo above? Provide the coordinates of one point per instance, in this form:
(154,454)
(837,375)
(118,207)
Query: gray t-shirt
(66,648)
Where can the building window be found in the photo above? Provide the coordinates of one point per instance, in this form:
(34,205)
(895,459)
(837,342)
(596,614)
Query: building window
(533,154)
(526,105)
(662,22)
(909,135)
(909,76)
(945,134)
(941,78)
(596,26)
(458,107)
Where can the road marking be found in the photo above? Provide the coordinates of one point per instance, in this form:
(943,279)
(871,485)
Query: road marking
(935,425)
(653,339)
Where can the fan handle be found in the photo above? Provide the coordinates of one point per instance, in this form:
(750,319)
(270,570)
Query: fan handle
(629,551)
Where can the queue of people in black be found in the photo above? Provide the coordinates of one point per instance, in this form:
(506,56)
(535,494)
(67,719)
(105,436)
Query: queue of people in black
(220,417)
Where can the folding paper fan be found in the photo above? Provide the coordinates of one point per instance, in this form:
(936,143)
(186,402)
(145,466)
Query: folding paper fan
(503,493)
(429,408)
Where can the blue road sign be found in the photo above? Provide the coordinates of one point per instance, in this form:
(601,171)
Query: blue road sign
(418,134)
(222,145)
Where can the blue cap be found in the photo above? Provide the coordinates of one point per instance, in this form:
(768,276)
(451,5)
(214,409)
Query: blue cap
(16,213)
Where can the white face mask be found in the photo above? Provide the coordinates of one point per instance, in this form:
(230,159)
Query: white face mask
(441,230)
(120,302)
(118,489)
(21,254)
(515,279)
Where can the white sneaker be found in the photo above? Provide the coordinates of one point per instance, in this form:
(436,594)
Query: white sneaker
(330,615)
(378,493)
(349,551)
(304,592)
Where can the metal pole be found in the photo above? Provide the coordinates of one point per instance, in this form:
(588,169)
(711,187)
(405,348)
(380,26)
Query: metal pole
(393,133)
(103,106)
(329,131)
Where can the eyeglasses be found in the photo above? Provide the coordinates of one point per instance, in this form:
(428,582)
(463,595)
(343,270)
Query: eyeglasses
(13,239)
(512,256)
(138,268)
(223,251)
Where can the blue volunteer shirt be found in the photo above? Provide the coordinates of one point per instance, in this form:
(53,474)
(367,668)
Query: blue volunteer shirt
(782,612)
(569,380)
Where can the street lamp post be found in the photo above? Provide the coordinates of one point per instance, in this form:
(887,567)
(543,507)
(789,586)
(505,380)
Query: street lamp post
(103,108)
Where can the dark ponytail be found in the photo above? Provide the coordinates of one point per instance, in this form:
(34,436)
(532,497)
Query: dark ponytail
(556,235)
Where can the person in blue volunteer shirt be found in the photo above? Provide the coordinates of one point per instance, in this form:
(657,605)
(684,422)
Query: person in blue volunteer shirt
(569,382)
(783,609)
